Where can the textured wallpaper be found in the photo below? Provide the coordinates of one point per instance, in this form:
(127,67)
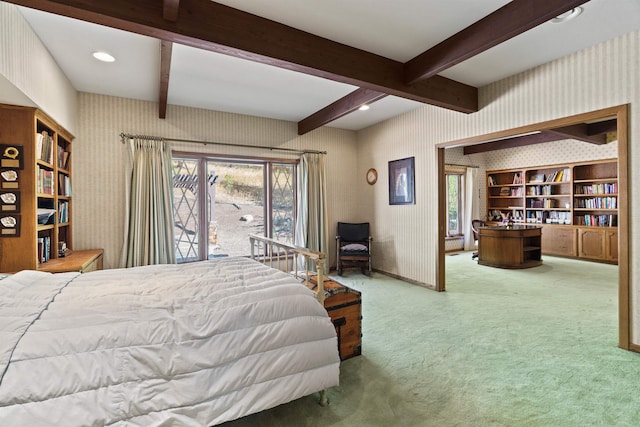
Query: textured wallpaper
(603,76)
(28,66)
(100,160)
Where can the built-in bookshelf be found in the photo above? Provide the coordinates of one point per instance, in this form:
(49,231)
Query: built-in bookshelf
(579,199)
(35,166)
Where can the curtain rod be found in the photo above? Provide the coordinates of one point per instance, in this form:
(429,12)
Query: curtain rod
(124,136)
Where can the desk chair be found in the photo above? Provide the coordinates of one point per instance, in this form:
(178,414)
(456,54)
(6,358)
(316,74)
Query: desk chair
(475,225)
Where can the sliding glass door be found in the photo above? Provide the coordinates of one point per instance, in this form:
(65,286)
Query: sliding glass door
(219,202)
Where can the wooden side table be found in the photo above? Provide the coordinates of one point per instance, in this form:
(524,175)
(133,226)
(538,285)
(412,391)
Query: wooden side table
(82,261)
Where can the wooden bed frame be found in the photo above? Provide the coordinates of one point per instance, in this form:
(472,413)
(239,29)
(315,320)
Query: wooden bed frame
(288,258)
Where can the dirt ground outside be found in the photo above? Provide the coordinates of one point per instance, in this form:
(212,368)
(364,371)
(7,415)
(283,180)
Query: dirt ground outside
(229,235)
(238,191)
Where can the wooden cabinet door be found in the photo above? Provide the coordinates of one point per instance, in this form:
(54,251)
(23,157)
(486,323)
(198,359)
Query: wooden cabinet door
(559,240)
(611,245)
(591,243)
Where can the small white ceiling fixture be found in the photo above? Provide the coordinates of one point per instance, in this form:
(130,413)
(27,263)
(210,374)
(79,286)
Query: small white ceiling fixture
(103,56)
(363,107)
(567,16)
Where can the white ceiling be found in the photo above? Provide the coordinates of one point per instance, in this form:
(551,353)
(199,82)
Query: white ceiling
(398,30)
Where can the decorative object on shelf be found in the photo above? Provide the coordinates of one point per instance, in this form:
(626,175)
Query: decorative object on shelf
(401,181)
(11,156)
(372,176)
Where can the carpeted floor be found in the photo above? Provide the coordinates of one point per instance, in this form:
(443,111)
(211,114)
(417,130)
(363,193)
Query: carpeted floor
(535,347)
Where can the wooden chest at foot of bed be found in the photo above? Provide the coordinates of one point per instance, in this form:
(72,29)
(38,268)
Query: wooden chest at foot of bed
(344,307)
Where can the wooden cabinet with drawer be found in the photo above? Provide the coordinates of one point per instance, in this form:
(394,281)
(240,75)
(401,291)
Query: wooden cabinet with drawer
(559,240)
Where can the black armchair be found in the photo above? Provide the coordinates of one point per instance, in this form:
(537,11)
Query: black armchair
(353,244)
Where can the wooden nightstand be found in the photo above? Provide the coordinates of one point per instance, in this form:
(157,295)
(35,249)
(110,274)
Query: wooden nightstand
(82,261)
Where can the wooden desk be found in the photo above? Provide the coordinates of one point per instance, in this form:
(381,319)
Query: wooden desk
(517,246)
(82,261)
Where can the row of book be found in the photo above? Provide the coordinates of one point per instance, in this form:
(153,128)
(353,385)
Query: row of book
(597,203)
(602,188)
(597,220)
(511,191)
(45,150)
(64,185)
(44,146)
(561,175)
(63,158)
(539,190)
(45,183)
(549,217)
(44,249)
(63,212)
(543,204)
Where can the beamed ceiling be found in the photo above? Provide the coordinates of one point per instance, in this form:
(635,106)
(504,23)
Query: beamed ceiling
(364,76)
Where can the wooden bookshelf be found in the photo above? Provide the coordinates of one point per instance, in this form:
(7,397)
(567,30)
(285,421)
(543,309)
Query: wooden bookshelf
(576,204)
(41,185)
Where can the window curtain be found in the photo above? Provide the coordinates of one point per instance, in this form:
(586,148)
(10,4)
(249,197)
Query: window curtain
(149,235)
(471,205)
(311,223)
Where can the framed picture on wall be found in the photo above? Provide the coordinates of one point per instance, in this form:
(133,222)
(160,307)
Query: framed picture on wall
(402,182)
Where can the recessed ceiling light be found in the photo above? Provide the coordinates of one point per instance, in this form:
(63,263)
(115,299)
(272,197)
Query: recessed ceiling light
(567,16)
(103,56)
(363,107)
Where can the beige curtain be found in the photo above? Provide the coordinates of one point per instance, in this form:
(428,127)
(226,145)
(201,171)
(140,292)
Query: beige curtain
(471,205)
(149,237)
(311,224)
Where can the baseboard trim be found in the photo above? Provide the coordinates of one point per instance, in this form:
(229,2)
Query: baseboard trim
(396,276)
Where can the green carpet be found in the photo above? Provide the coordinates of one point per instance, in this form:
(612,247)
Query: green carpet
(535,347)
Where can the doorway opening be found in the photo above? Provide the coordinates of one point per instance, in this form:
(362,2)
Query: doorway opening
(511,138)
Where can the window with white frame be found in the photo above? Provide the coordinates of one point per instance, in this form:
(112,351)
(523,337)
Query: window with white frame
(455,197)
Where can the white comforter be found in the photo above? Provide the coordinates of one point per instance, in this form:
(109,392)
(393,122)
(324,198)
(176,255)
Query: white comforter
(190,344)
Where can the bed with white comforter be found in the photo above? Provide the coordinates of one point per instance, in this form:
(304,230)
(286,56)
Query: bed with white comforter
(189,344)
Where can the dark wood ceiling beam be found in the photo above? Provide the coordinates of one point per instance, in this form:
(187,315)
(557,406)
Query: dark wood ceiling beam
(579,132)
(605,126)
(166,49)
(208,25)
(498,27)
(170,10)
(513,19)
(341,107)
(511,142)
(593,133)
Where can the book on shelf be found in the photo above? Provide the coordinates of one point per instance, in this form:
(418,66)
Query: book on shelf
(44,146)
(517,178)
(44,249)
(589,220)
(63,209)
(44,181)
(63,158)
(64,185)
